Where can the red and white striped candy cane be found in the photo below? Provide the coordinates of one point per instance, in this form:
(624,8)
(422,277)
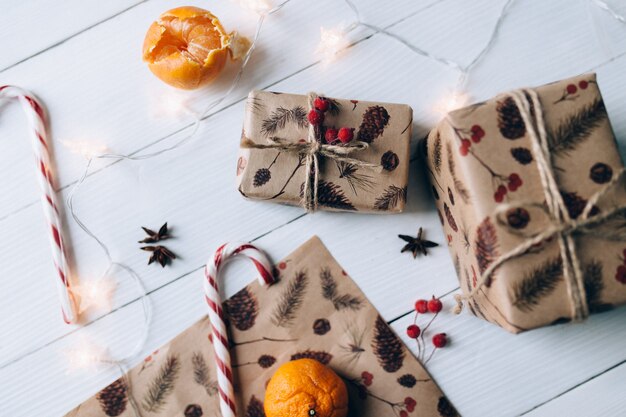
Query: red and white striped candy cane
(36,118)
(216,315)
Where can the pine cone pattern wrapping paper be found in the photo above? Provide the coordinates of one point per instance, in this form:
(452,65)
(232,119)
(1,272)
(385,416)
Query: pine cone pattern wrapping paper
(272,175)
(314,311)
(482,155)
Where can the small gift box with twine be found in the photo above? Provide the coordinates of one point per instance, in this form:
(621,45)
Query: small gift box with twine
(288,157)
(529,188)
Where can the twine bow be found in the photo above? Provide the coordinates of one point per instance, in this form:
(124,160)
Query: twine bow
(310,150)
(561,226)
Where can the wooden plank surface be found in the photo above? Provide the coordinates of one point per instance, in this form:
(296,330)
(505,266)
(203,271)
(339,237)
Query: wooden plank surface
(88,72)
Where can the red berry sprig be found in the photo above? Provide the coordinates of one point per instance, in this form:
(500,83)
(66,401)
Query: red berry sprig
(502,183)
(332,136)
(571,90)
(434,305)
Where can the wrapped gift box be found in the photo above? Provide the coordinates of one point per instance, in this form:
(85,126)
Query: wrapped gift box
(278,175)
(481,157)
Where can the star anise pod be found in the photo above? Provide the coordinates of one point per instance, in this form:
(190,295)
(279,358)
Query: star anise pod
(417,244)
(160,254)
(153,236)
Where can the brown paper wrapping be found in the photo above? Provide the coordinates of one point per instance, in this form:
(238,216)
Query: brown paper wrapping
(267,174)
(314,311)
(529,291)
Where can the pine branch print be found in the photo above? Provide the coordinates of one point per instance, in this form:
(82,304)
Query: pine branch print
(329,292)
(459,187)
(290,301)
(437,150)
(254,104)
(390,198)
(162,385)
(202,375)
(594,285)
(242,309)
(356,180)
(319,355)
(537,284)
(577,128)
(353,349)
(614,228)
(387,347)
(255,408)
(334,106)
(281,117)
(486,245)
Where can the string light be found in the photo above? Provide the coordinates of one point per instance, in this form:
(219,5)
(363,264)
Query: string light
(95,295)
(333,41)
(85,356)
(453,101)
(87,149)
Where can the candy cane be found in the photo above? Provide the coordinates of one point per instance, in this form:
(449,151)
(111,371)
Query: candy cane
(36,119)
(216,315)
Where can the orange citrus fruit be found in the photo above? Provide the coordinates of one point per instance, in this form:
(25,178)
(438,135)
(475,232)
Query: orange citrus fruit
(187,47)
(305,387)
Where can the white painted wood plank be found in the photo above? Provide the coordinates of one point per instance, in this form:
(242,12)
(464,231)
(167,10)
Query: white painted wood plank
(384,281)
(601,396)
(28,27)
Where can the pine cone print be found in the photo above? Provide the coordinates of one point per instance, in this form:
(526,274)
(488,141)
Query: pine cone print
(389,161)
(193,410)
(374,121)
(242,309)
(446,409)
(266,361)
(255,408)
(320,356)
(522,155)
(510,120)
(261,177)
(407,380)
(321,327)
(601,173)
(450,218)
(113,399)
(331,195)
(387,347)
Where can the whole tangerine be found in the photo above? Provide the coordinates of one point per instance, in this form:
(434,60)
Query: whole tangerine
(187,47)
(305,387)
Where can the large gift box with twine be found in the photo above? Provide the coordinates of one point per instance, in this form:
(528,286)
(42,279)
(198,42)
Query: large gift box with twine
(529,190)
(284,158)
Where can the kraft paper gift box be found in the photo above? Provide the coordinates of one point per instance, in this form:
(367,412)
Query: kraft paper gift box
(315,311)
(485,175)
(278,175)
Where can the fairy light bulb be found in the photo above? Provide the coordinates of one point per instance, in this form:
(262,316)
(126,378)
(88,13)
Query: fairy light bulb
(87,149)
(95,294)
(86,355)
(257,6)
(332,42)
(451,102)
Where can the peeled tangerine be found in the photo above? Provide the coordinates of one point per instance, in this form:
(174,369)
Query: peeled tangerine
(305,387)
(187,47)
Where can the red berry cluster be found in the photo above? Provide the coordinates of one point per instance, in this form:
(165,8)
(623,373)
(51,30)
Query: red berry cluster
(571,90)
(439,340)
(316,118)
(476,133)
(620,274)
(514,181)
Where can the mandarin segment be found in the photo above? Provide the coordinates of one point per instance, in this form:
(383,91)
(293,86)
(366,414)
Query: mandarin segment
(187,47)
(303,385)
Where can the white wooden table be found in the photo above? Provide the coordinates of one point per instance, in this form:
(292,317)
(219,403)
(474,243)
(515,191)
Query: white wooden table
(83,59)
